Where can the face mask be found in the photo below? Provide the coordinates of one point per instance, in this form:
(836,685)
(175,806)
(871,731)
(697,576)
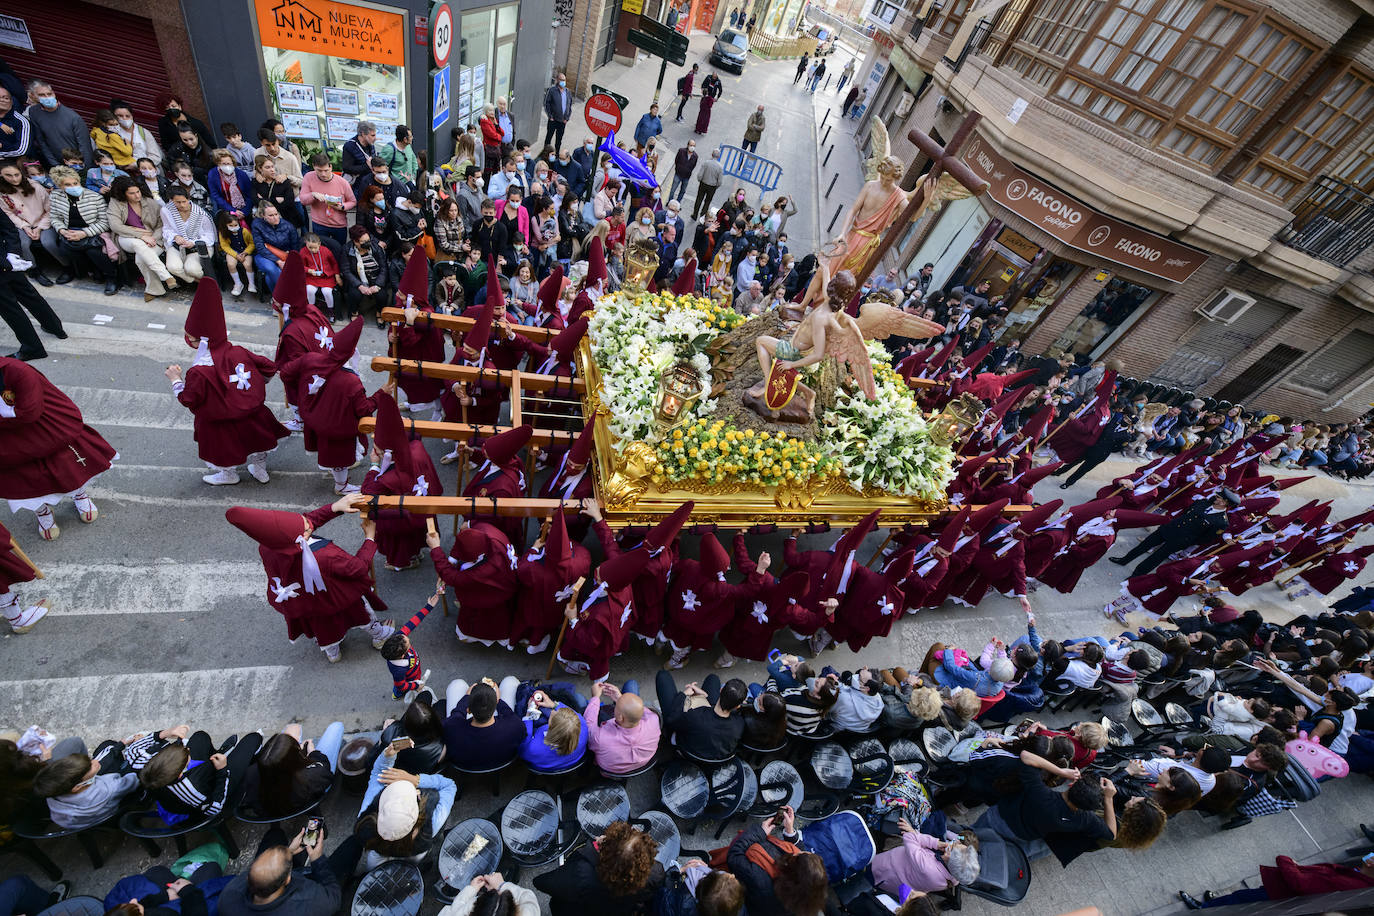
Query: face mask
(739,197)
(589,146)
(562,161)
(562,82)
(648,220)
(232,227)
(148,173)
(382,179)
(107,169)
(226,170)
(74,192)
(173,113)
(380,203)
(48,102)
(281,138)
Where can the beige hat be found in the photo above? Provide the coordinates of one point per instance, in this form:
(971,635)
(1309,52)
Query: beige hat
(398,808)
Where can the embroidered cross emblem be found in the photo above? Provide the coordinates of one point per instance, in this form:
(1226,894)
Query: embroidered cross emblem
(512,556)
(689,600)
(316,383)
(564,593)
(421,487)
(284,592)
(323,338)
(760,612)
(241,378)
(885,607)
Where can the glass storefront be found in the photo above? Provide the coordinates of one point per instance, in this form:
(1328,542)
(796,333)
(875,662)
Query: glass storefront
(1112,312)
(332,65)
(1050,279)
(487,59)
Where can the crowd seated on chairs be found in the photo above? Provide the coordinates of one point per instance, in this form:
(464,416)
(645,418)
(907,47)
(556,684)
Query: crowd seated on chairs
(955,781)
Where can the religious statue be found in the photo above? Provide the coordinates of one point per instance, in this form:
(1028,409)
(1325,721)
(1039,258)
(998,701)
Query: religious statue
(828,332)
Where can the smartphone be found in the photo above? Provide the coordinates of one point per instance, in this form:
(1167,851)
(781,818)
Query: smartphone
(202,249)
(312,831)
(400,744)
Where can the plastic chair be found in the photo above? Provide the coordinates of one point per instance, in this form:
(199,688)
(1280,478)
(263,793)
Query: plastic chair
(148,827)
(47,830)
(756,755)
(494,772)
(533,829)
(456,872)
(393,888)
(559,776)
(1005,875)
(734,787)
(626,777)
(873,768)
(249,815)
(29,850)
(600,806)
(779,784)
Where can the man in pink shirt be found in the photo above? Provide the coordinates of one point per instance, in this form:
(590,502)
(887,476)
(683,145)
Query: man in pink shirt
(629,740)
(329,198)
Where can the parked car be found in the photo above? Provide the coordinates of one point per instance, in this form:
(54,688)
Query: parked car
(729,50)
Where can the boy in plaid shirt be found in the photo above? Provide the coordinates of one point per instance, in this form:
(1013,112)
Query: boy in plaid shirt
(401,658)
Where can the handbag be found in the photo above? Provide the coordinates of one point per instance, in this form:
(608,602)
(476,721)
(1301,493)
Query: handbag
(86,243)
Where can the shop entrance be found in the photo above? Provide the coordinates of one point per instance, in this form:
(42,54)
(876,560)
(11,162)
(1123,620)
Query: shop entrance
(1112,312)
(1003,262)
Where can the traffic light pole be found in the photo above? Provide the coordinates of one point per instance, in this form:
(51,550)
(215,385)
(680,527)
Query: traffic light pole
(662,69)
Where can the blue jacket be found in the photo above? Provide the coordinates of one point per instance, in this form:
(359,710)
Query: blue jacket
(214,183)
(283,236)
(951,675)
(539,755)
(648,126)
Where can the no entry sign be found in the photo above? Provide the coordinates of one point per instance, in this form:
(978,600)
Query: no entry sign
(602,114)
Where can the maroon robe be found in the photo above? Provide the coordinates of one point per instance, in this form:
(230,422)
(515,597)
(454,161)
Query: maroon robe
(505,352)
(545,590)
(699,606)
(1157,591)
(506,481)
(815,563)
(327,615)
(331,414)
(1041,547)
(301,335)
(12,568)
(763,605)
(400,532)
(649,587)
(1066,568)
(925,577)
(570,487)
(421,341)
(484,584)
(232,421)
(45,448)
(487,394)
(1327,575)
(871,604)
(600,631)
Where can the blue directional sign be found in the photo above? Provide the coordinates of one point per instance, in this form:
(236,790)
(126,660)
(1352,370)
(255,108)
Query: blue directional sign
(441,98)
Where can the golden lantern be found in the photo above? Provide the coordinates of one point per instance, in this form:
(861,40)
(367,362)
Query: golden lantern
(678,389)
(641,262)
(958,417)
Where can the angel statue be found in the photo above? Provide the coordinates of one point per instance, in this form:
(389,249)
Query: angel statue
(830,332)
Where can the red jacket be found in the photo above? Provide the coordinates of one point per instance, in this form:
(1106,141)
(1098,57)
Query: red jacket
(1286,878)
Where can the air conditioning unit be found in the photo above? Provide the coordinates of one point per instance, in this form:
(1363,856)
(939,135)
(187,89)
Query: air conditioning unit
(1225,306)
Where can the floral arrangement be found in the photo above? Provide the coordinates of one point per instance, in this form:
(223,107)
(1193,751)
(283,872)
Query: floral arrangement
(717,452)
(881,444)
(885,443)
(637,338)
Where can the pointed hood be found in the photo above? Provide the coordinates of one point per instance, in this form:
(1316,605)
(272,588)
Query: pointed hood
(1232,559)
(1134,518)
(1018,380)
(502,447)
(1287,482)
(969,468)
(495,298)
(900,568)
(1029,521)
(205,318)
(289,293)
(346,342)
(620,571)
(954,529)
(390,435)
(846,549)
(1363,552)
(980,518)
(974,359)
(666,531)
(477,336)
(596,264)
(565,341)
(273,530)
(714,558)
(415,280)
(581,451)
(550,289)
(1035,475)
(913,362)
(1038,424)
(793,586)
(686,282)
(1084,511)
(558,548)
(937,362)
(470,544)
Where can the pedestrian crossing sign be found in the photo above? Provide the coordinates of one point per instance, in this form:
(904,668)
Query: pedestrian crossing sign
(441,98)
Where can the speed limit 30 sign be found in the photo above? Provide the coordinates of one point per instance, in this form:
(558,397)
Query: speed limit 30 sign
(441,34)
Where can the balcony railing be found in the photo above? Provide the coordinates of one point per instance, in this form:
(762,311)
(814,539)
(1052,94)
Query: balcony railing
(1335,222)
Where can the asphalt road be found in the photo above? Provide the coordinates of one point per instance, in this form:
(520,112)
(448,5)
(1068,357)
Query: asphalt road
(159,615)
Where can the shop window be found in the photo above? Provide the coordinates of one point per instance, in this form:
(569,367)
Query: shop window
(1115,308)
(1026,306)
(1325,125)
(486,59)
(1343,361)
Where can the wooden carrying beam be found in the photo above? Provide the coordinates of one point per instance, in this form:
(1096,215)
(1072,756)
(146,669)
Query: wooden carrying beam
(462,432)
(529,381)
(456,323)
(517,507)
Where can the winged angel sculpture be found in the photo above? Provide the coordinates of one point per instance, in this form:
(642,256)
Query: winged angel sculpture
(830,333)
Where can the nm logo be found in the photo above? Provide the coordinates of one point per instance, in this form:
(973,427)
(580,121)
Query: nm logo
(296,17)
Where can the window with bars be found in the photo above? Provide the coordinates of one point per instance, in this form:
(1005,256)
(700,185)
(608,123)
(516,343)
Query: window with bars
(1350,356)
(1357,169)
(1008,18)
(955,10)
(1052,31)
(1325,125)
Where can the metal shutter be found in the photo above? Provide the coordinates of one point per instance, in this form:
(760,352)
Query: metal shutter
(1339,362)
(92,55)
(1214,344)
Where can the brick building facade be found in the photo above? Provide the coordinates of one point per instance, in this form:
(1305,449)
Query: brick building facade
(1185,186)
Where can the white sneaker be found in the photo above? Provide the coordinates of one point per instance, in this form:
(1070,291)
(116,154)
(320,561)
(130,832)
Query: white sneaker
(726,660)
(332,653)
(28,617)
(222,478)
(344,489)
(380,631)
(238,288)
(294,425)
(259,473)
(252,284)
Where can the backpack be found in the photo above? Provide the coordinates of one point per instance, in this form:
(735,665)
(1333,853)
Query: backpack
(843,842)
(673,897)
(681,84)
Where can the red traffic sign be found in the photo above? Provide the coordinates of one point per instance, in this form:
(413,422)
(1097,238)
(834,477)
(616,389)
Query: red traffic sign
(441,35)
(602,114)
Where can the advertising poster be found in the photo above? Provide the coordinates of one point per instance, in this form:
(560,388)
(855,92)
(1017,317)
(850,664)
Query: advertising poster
(296,96)
(383,106)
(340,101)
(304,126)
(342,129)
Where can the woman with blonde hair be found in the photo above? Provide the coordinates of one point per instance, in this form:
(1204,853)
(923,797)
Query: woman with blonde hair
(556,738)
(641,228)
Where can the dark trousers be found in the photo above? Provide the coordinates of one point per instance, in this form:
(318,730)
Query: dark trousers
(343,861)
(18,294)
(554,132)
(337,234)
(1245,895)
(1161,550)
(681,104)
(1091,459)
(201,746)
(667,691)
(750,145)
(354,301)
(20,895)
(88,260)
(702,206)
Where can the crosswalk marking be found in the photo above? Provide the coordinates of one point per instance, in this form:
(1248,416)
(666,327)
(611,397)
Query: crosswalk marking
(100,492)
(78,589)
(223,700)
(120,407)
